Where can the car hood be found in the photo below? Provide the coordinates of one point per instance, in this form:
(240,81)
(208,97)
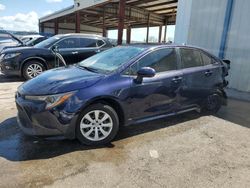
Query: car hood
(60,80)
(23,49)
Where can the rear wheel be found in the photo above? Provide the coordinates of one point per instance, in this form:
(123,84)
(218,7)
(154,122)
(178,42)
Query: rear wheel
(212,104)
(32,69)
(97,125)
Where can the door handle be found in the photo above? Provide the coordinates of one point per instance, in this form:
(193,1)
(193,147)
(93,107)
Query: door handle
(177,79)
(208,73)
(74,53)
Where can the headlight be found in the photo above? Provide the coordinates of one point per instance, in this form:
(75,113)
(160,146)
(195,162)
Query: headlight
(12,55)
(51,100)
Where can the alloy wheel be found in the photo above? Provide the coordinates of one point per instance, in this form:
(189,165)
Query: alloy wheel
(96,125)
(34,70)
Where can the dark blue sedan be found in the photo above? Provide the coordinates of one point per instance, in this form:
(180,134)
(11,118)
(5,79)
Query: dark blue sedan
(121,86)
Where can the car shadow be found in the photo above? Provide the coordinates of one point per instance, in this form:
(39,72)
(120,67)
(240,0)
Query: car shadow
(15,146)
(236,111)
(5,79)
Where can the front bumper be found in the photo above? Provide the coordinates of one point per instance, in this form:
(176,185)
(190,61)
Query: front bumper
(10,67)
(34,120)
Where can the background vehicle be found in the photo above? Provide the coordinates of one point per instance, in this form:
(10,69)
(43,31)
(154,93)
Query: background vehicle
(27,38)
(32,61)
(8,40)
(35,41)
(121,86)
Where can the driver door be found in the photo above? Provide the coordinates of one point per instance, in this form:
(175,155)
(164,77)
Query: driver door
(157,95)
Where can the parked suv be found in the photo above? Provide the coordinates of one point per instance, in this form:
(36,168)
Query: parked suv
(32,61)
(121,86)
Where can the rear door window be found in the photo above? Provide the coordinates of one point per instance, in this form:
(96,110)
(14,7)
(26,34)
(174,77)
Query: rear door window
(68,43)
(88,43)
(206,59)
(190,58)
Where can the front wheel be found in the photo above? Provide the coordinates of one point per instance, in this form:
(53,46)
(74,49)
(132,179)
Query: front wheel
(98,124)
(32,69)
(212,104)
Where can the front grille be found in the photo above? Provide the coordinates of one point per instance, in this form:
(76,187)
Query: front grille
(23,117)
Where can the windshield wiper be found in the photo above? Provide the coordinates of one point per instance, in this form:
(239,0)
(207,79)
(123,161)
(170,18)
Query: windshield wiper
(91,69)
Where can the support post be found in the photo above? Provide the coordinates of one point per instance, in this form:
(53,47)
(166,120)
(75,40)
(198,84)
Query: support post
(78,22)
(226,27)
(121,16)
(41,27)
(56,26)
(147,37)
(128,35)
(104,30)
(160,32)
(165,32)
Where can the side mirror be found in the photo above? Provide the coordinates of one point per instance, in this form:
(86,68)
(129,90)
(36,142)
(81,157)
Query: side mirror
(145,72)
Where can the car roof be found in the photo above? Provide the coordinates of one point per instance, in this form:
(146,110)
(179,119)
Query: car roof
(80,35)
(160,45)
(169,45)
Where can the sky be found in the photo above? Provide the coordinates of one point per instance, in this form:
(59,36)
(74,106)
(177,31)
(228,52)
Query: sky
(23,15)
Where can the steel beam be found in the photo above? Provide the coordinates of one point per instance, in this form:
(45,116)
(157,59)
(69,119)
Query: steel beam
(128,35)
(147,28)
(78,22)
(160,4)
(160,32)
(121,16)
(104,30)
(56,26)
(165,32)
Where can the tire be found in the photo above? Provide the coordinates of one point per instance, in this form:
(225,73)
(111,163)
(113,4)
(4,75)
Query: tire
(32,65)
(97,131)
(212,104)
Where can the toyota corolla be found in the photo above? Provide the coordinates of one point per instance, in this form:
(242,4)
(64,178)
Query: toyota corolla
(118,87)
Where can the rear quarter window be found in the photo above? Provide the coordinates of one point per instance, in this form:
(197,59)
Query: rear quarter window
(206,59)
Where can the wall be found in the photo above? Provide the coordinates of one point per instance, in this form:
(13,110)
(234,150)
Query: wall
(238,46)
(201,22)
(70,28)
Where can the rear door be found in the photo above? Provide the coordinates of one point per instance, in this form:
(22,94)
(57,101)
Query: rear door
(200,76)
(157,95)
(68,48)
(88,48)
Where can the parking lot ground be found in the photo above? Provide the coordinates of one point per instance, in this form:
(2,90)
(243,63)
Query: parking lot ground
(184,151)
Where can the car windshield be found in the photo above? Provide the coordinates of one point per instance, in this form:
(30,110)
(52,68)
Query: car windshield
(112,59)
(47,43)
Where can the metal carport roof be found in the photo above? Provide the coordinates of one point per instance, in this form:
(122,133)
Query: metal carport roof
(113,14)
